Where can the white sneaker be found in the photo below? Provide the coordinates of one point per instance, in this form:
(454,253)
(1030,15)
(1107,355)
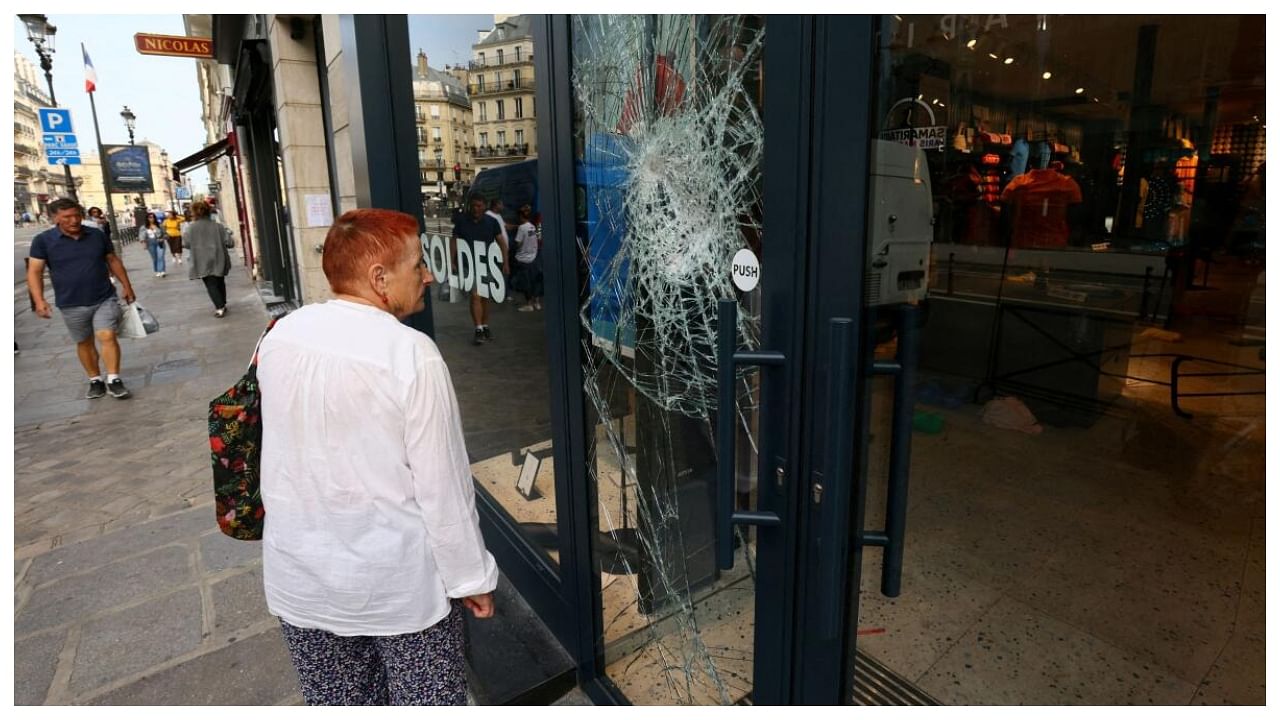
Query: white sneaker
(525,308)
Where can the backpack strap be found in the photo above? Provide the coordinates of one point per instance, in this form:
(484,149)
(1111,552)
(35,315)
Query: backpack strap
(253,362)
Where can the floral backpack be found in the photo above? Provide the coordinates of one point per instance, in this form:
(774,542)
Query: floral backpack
(235,444)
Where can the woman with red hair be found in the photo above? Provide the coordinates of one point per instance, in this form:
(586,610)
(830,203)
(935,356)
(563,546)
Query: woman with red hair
(372,545)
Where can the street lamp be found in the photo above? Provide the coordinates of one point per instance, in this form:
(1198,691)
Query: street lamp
(41,34)
(168,177)
(440,174)
(129,121)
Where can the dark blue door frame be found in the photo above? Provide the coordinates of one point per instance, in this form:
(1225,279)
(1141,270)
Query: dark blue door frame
(843,82)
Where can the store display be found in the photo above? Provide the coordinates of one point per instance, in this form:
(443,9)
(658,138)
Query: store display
(1039,201)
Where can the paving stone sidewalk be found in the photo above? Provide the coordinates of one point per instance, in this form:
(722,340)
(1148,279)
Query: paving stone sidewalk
(125,592)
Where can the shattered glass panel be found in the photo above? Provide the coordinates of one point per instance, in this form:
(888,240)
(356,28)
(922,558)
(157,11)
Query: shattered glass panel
(669,141)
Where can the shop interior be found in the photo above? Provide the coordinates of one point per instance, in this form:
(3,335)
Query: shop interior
(1086,523)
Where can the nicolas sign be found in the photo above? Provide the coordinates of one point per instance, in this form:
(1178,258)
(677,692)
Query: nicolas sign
(173,45)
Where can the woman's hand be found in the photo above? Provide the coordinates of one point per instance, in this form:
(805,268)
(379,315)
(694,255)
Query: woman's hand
(481,606)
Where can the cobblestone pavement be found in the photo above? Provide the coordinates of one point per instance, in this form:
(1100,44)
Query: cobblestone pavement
(125,591)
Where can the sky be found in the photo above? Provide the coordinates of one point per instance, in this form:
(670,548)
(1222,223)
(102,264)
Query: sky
(447,39)
(162,91)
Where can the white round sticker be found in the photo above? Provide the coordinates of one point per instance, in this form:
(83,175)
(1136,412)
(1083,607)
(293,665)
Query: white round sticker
(746,270)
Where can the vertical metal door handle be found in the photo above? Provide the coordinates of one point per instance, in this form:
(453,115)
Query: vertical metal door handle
(727,362)
(903,368)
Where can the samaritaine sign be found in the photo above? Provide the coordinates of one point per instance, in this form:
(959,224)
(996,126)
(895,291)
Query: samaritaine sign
(175,45)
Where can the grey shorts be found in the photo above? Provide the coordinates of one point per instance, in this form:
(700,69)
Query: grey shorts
(84,320)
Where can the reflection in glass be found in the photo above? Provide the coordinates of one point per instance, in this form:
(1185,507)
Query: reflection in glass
(502,386)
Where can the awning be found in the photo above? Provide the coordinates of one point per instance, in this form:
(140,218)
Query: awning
(203,157)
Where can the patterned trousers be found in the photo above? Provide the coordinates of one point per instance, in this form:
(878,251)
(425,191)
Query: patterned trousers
(421,668)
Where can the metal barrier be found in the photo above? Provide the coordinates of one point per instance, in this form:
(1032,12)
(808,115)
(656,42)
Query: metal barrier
(1176,375)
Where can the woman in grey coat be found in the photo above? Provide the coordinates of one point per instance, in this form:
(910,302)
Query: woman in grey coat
(207,242)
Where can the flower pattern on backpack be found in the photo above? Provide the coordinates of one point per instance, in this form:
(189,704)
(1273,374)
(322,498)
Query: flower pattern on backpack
(235,445)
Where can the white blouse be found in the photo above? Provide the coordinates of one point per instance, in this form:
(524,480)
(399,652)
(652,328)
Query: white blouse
(371,522)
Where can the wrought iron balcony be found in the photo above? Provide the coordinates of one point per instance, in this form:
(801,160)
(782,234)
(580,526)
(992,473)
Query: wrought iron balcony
(507,59)
(502,151)
(506,86)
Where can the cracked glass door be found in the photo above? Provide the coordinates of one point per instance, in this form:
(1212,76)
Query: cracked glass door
(669,141)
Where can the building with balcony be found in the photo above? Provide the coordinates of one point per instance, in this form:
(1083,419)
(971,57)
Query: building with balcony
(501,86)
(446,163)
(35,182)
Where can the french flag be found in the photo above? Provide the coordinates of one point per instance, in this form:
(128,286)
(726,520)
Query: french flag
(90,75)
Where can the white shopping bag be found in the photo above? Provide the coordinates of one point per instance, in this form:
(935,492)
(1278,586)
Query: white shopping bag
(131,322)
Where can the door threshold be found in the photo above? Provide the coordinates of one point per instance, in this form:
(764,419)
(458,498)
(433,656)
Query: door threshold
(874,684)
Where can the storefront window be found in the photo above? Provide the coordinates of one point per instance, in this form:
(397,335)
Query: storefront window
(669,138)
(501,374)
(1071,209)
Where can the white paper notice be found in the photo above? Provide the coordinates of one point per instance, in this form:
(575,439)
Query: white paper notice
(319,211)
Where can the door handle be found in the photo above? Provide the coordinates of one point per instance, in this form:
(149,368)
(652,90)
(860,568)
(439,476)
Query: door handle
(728,359)
(903,368)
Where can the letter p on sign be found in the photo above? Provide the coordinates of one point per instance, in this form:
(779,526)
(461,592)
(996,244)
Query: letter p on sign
(55,120)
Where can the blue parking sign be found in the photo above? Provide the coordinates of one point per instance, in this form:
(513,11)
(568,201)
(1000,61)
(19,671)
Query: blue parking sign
(55,120)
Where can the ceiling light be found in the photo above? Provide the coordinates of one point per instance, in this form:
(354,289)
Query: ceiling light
(1047,75)
(972,44)
(1079,91)
(1008,61)
(942,104)
(993,56)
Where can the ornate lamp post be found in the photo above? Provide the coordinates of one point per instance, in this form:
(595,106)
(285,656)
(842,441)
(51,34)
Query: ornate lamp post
(130,120)
(168,177)
(41,35)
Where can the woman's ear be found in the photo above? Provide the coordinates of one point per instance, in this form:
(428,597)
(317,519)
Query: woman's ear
(377,277)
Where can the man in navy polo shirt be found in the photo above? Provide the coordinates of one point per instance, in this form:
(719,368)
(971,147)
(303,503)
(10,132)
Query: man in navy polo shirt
(478,230)
(81,260)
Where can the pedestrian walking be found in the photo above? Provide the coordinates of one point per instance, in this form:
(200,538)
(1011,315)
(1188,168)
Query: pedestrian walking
(208,242)
(173,233)
(527,277)
(153,236)
(99,220)
(478,226)
(81,260)
(495,212)
(372,548)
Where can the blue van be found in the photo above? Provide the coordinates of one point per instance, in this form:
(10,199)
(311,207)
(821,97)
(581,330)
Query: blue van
(515,184)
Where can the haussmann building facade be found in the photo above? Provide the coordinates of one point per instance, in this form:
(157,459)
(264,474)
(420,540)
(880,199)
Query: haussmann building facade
(884,359)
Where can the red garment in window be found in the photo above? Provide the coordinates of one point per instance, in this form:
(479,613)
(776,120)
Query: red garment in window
(1039,201)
